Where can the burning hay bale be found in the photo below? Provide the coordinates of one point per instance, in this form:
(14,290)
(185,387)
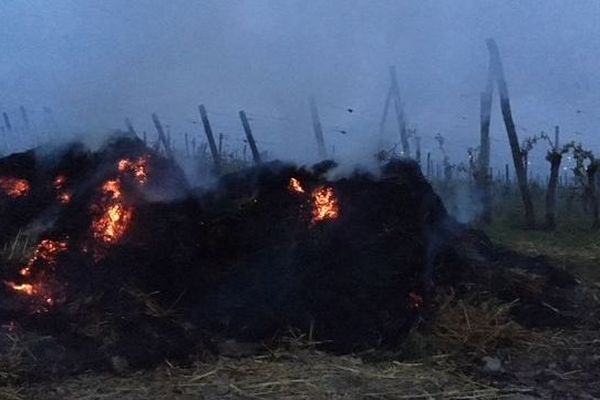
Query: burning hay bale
(131,263)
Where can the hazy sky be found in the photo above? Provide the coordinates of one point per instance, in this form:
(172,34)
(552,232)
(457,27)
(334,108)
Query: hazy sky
(96,62)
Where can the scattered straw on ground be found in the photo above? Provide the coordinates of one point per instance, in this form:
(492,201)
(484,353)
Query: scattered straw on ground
(290,375)
(480,327)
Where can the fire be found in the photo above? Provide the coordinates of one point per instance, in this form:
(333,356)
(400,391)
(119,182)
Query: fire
(25,288)
(112,224)
(60,181)
(14,187)
(40,293)
(46,251)
(325,204)
(324,201)
(295,185)
(63,196)
(115,217)
(112,189)
(40,287)
(138,167)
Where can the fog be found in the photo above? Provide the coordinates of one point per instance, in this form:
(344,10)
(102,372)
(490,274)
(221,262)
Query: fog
(96,62)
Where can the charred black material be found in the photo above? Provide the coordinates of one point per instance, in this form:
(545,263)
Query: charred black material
(245,259)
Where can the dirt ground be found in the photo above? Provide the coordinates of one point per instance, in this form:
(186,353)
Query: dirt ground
(542,365)
(295,375)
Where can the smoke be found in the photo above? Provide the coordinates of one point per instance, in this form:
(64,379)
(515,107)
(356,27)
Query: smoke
(80,66)
(466,204)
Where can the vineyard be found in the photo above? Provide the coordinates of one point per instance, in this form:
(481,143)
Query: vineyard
(167,264)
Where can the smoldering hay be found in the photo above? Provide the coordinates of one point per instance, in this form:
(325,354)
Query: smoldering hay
(124,257)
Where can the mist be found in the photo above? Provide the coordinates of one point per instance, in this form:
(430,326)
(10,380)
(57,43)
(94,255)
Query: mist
(94,63)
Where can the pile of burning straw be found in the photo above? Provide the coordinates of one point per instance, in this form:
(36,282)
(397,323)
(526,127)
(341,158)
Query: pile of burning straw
(125,259)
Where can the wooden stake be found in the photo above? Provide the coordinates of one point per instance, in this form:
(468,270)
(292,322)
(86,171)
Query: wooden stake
(7,123)
(483,179)
(24,116)
(386,106)
(316,122)
(511,131)
(429,165)
(250,138)
(210,138)
(554,156)
(399,112)
(418,143)
(161,135)
(187,144)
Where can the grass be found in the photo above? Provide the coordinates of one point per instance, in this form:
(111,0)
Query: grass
(572,245)
(575,248)
(18,249)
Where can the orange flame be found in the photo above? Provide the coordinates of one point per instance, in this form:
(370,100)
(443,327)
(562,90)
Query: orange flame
(14,187)
(138,167)
(112,224)
(112,189)
(25,288)
(325,204)
(40,293)
(295,185)
(46,251)
(42,289)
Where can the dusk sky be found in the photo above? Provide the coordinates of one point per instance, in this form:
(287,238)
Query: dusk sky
(96,62)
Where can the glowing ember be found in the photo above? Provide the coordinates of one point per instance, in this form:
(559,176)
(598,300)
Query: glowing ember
(138,167)
(43,261)
(295,185)
(63,195)
(112,189)
(25,288)
(415,301)
(60,181)
(112,224)
(115,216)
(40,293)
(325,204)
(46,251)
(14,187)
